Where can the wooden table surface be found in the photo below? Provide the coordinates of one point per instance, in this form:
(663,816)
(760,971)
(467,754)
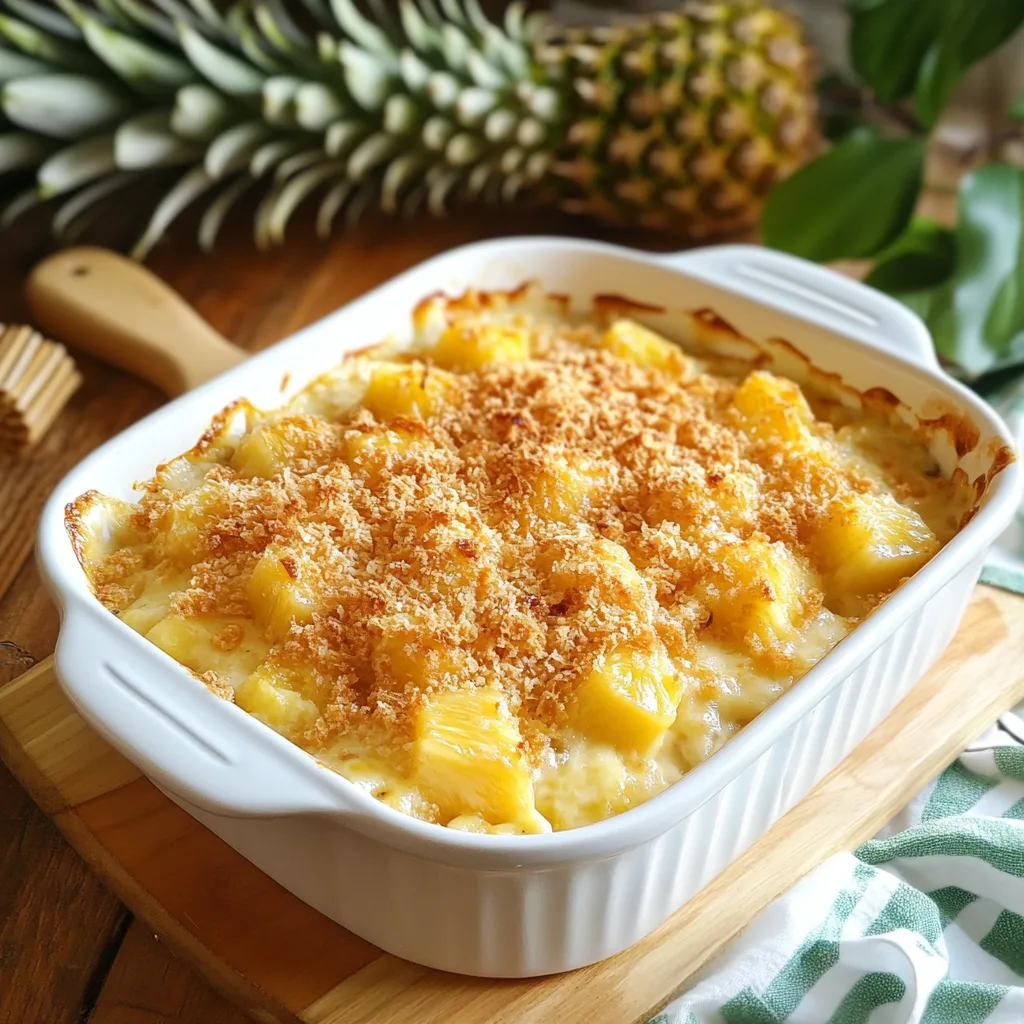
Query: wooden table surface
(69,951)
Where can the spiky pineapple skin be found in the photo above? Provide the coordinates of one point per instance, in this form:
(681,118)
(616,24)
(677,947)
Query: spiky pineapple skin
(681,121)
(689,118)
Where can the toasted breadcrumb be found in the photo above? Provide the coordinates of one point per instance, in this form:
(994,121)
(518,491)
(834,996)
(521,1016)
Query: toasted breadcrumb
(455,544)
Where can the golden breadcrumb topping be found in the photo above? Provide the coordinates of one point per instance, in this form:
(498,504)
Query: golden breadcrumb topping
(627,549)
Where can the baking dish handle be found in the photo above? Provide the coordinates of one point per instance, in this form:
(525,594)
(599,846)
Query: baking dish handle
(181,736)
(814,294)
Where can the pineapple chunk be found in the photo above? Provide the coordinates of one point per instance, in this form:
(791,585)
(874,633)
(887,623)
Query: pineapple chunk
(332,395)
(154,603)
(463,551)
(467,758)
(280,592)
(407,389)
(628,699)
(182,535)
(615,559)
(772,407)
(567,569)
(268,696)
(227,647)
(271,448)
(756,594)
(729,497)
(629,340)
(735,499)
(372,450)
(464,348)
(263,452)
(560,492)
(867,545)
(407,655)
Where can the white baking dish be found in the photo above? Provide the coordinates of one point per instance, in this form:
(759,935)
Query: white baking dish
(526,905)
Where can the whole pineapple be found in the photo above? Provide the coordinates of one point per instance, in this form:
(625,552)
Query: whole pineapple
(681,121)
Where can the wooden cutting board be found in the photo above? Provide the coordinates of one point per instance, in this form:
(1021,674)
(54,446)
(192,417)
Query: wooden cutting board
(282,961)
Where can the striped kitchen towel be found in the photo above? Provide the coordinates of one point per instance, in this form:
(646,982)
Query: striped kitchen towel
(922,925)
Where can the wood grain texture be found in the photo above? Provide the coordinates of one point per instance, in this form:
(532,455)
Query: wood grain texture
(279,960)
(49,901)
(147,984)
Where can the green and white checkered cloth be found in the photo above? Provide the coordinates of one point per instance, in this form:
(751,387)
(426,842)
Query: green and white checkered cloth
(923,924)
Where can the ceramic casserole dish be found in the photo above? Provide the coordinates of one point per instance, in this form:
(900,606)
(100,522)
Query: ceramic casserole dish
(517,906)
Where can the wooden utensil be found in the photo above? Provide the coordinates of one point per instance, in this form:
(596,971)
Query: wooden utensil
(115,309)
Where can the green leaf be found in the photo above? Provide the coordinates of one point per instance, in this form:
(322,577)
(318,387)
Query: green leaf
(369,80)
(63,106)
(362,31)
(68,216)
(279,93)
(210,17)
(18,205)
(149,69)
(148,141)
(270,154)
(971,30)
(986,301)
(316,106)
(289,196)
(33,42)
(935,307)
(940,72)
(20,150)
(152,21)
(77,165)
(889,40)
(15,65)
(217,212)
(184,193)
(986,25)
(226,71)
(279,28)
(838,124)
(849,204)
(1006,317)
(44,18)
(1016,109)
(234,148)
(922,257)
(200,112)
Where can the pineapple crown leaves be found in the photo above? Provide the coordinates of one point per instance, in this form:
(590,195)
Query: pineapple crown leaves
(685,119)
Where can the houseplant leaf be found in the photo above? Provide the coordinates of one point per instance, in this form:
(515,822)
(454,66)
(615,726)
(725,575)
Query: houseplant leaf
(921,258)
(971,30)
(888,41)
(986,302)
(849,204)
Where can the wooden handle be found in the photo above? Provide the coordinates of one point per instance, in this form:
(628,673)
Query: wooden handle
(117,310)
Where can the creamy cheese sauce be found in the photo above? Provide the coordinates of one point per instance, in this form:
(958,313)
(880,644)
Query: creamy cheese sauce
(490,619)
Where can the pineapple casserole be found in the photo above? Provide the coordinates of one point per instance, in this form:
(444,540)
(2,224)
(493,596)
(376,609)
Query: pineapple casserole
(527,571)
